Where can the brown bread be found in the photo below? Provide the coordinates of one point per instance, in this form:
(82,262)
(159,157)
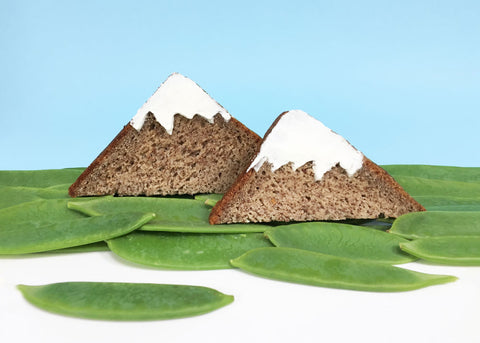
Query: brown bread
(294,195)
(198,157)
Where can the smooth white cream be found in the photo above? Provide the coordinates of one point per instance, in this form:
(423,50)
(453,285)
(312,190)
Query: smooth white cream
(178,95)
(299,138)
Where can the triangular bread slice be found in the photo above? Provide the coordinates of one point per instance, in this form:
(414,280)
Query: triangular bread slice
(181,141)
(303,171)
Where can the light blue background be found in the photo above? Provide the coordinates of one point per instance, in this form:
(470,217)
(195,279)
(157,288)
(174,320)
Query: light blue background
(399,79)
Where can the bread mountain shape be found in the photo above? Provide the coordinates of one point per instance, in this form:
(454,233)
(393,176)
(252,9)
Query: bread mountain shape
(181,141)
(303,171)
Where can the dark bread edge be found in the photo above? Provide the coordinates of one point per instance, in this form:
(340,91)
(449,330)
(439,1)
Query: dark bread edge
(72,190)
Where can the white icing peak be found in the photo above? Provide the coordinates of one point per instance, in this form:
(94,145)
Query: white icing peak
(178,95)
(299,138)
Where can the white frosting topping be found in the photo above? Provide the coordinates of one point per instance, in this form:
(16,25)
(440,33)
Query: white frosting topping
(178,95)
(299,138)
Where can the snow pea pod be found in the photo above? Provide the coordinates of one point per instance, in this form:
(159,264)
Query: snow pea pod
(311,268)
(124,301)
(22,239)
(39,178)
(341,240)
(434,224)
(11,196)
(37,213)
(464,174)
(185,251)
(172,214)
(449,203)
(420,186)
(454,250)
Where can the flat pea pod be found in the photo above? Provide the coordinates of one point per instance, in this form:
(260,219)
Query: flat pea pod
(449,203)
(420,186)
(341,240)
(37,213)
(124,301)
(435,224)
(92,247)
(464,174)
(455,250)
(172,214)
(11,196)
(311,268)
(58,235)
(181,251)
(39,178)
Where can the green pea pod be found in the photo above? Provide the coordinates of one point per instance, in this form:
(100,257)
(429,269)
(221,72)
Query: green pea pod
(464,174)
(23,239)
(181,251)
(311,268)
(92,247)
(124,301)
(341,240)
(39,178)
(455,250)
(172,214)
(449,203)
(11,196)
(419,186)
(209,199)
(435,224)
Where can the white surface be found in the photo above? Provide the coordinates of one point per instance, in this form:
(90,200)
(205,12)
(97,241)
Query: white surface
(178,95)
(299,138)
(263,311)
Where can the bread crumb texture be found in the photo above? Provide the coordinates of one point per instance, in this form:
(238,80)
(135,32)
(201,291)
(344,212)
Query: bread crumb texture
(198,157)
(293,195)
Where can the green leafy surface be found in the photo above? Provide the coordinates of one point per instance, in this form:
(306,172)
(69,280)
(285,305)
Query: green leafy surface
(455,250)
(124,301)
(341,240)
(182,251)
(311,268)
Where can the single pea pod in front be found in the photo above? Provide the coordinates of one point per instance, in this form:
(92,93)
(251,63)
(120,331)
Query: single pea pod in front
(454,250)
(341,240)
(311,268)
(437,224)
(185,251)
(124,301)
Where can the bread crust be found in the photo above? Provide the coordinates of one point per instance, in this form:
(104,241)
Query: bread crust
(127,129)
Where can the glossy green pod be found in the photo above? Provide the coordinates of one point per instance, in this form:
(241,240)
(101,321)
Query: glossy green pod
(183,251)
(39,178)
(172,214)
(449,203)
(25,238)
(435,224)
(11,196)
(124,301)
(420,186)
(311,268)
(341,240)
(454,250)
(449,173)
